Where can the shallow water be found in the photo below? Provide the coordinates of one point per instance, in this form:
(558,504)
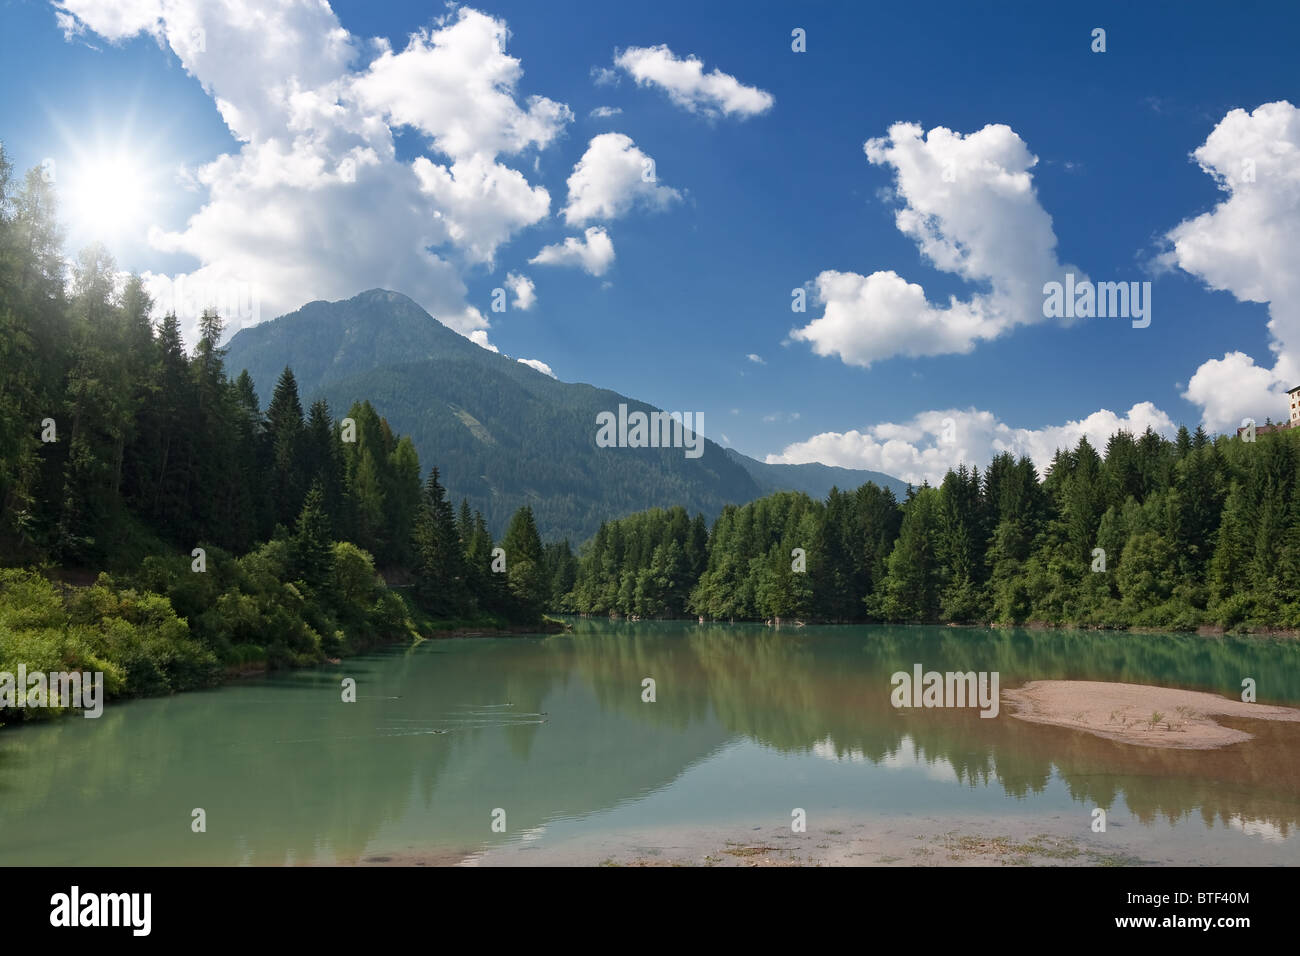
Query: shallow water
(747,724)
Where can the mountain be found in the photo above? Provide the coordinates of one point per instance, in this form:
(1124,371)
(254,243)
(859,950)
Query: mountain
(329,341)
(814,478)
(501,434)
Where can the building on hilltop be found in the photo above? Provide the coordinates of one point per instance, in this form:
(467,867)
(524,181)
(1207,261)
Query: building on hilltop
(1293,420)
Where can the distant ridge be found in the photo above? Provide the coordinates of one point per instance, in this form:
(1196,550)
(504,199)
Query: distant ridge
(814,478)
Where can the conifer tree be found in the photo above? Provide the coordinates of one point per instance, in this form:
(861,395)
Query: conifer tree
(285,433)
(312,541)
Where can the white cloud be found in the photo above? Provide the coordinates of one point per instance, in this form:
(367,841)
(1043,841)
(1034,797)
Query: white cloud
(524,291)
(594,252)
(457,86)
(314,203)
(1233,388)
(970,206)
(482,202)
(930,443)
(253,61)
(604,76)
(480,338)
(756,358)
(605,112)
(687,85)
(1247,246)
(612,176)
(537,364)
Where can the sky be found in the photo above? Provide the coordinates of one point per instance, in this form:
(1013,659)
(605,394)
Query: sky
(830,228)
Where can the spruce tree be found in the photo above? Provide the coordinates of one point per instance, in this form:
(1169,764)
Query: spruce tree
(312,544)
(525,575)
(285,432)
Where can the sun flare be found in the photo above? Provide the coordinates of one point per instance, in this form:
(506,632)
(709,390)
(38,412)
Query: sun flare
(107,196)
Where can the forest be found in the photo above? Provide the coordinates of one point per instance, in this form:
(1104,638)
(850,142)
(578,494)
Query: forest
(159,526)
(1149,532)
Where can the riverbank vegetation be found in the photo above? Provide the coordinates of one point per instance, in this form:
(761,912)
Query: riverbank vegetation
(228,537)
(1152,532)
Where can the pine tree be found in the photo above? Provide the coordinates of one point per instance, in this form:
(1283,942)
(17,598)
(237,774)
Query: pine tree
(438,555)
(912,586)
(525,575)
(285,432)
(312,542)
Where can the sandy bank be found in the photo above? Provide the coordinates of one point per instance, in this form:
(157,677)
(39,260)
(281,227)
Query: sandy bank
(1139,713)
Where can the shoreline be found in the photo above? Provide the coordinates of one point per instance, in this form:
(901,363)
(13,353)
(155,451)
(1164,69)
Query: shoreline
(547,627)
(237,672)
(1063,839)
(1202,630)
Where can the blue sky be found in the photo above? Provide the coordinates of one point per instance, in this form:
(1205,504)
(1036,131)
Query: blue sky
(773,189)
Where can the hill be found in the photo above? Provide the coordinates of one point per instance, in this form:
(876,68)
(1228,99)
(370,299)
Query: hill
(501,433)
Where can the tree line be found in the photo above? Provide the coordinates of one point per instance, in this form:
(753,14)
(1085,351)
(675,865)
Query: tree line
(1150,532)
(260,531)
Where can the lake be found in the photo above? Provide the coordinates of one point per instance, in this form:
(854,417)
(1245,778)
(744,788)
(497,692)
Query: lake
(550,737)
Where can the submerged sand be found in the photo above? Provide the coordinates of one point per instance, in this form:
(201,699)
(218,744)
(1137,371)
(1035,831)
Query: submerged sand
(1062,839)
(1140,713)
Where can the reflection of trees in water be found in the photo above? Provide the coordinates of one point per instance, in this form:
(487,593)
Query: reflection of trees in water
(613,658)
(130,778)
(284,769)
(288,773)
(796,689)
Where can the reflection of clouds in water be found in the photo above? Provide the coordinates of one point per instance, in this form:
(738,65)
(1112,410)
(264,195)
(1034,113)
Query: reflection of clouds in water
(531,835)
(905,757)
(1260,828)
(827,750)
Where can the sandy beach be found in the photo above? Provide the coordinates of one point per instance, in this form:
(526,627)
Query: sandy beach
(1140,714)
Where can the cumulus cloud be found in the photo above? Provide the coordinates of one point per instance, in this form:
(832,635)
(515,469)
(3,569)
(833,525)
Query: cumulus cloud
(1233,388)
(594,252)
(1246,245)
(482,202)
(537,364)
(757,359)
(457,86)
(968,202)
(314,202)
(522,288)
(612,176)
(604,112)
(927,445)
(480,338)
(684,80)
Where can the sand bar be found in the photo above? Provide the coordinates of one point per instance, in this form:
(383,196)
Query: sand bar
(1140,713)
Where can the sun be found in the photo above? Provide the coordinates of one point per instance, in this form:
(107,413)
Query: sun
(108,196)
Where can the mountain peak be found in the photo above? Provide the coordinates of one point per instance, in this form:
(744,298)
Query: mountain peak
(326,341)
(382,295)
